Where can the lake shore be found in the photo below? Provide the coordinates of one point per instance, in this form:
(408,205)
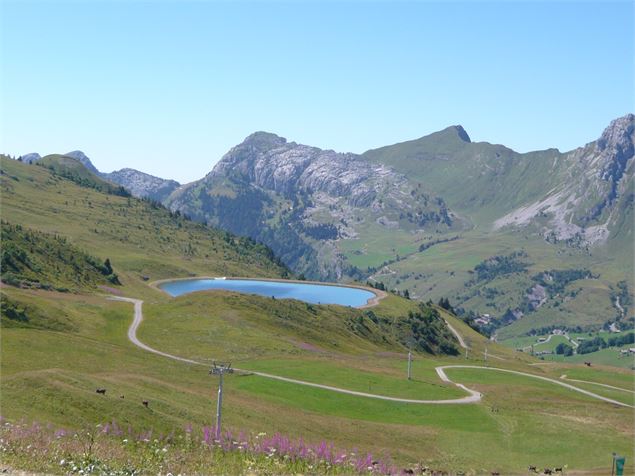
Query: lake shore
(378,294)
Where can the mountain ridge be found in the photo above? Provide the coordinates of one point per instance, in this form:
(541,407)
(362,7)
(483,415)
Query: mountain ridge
(385,214)
(138,183)
(316,196)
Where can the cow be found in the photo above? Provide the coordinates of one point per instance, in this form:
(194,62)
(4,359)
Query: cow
(101,390)
(145,403)
(588,364)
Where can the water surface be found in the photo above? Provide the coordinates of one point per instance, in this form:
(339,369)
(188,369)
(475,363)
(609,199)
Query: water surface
(308,292)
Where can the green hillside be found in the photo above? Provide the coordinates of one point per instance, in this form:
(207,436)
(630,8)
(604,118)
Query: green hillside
(510,293)
(143,240)
(41,260)
(479,179)
(59,347)
(74,170)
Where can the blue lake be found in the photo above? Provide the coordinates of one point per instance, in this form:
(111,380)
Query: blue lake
(312,293)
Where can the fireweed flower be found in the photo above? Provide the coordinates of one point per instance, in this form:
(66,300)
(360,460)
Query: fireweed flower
(278,450)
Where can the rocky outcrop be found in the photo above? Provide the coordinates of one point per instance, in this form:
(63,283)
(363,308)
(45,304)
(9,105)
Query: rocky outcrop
(297,196)
(462,133)
(616,147)
(270,162)
(30,158)
(139,184)
(83,158)
(536,296)
(142,185)
(596,181)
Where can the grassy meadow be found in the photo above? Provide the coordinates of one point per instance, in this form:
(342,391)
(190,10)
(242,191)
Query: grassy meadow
(447,269)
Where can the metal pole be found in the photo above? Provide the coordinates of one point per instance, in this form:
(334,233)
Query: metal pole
(409,365)
(220,368)
(485,353)
(219,405)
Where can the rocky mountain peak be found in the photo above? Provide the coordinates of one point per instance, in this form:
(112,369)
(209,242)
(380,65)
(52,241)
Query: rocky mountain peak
(616,147)
(31,158)
(461,133)
(449,135)
(83,158)
(264,140)
(141,184)
(270,162)
(584,206)
(619,136)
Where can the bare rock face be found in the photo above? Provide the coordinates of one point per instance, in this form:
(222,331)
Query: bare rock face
(537,296)
(142,185)
(139,184)
(616,147)
(332,180)
(597,181)
(83,158)
(270,162)
(30,158)
(302,200)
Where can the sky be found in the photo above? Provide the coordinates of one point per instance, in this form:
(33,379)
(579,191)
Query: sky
(169,87)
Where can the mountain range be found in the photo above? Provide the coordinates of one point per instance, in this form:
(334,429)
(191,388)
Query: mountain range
(407,214)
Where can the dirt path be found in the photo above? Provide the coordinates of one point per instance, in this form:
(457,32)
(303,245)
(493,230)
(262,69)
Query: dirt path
(456,334)
(564,377)
(473,397)
(462,342)
(440,371)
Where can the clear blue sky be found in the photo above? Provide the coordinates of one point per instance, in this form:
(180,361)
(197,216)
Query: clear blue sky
(169,87)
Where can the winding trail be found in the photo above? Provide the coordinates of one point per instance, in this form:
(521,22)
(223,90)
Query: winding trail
(456,334)
(462,342)
(473,396)
(564,377)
